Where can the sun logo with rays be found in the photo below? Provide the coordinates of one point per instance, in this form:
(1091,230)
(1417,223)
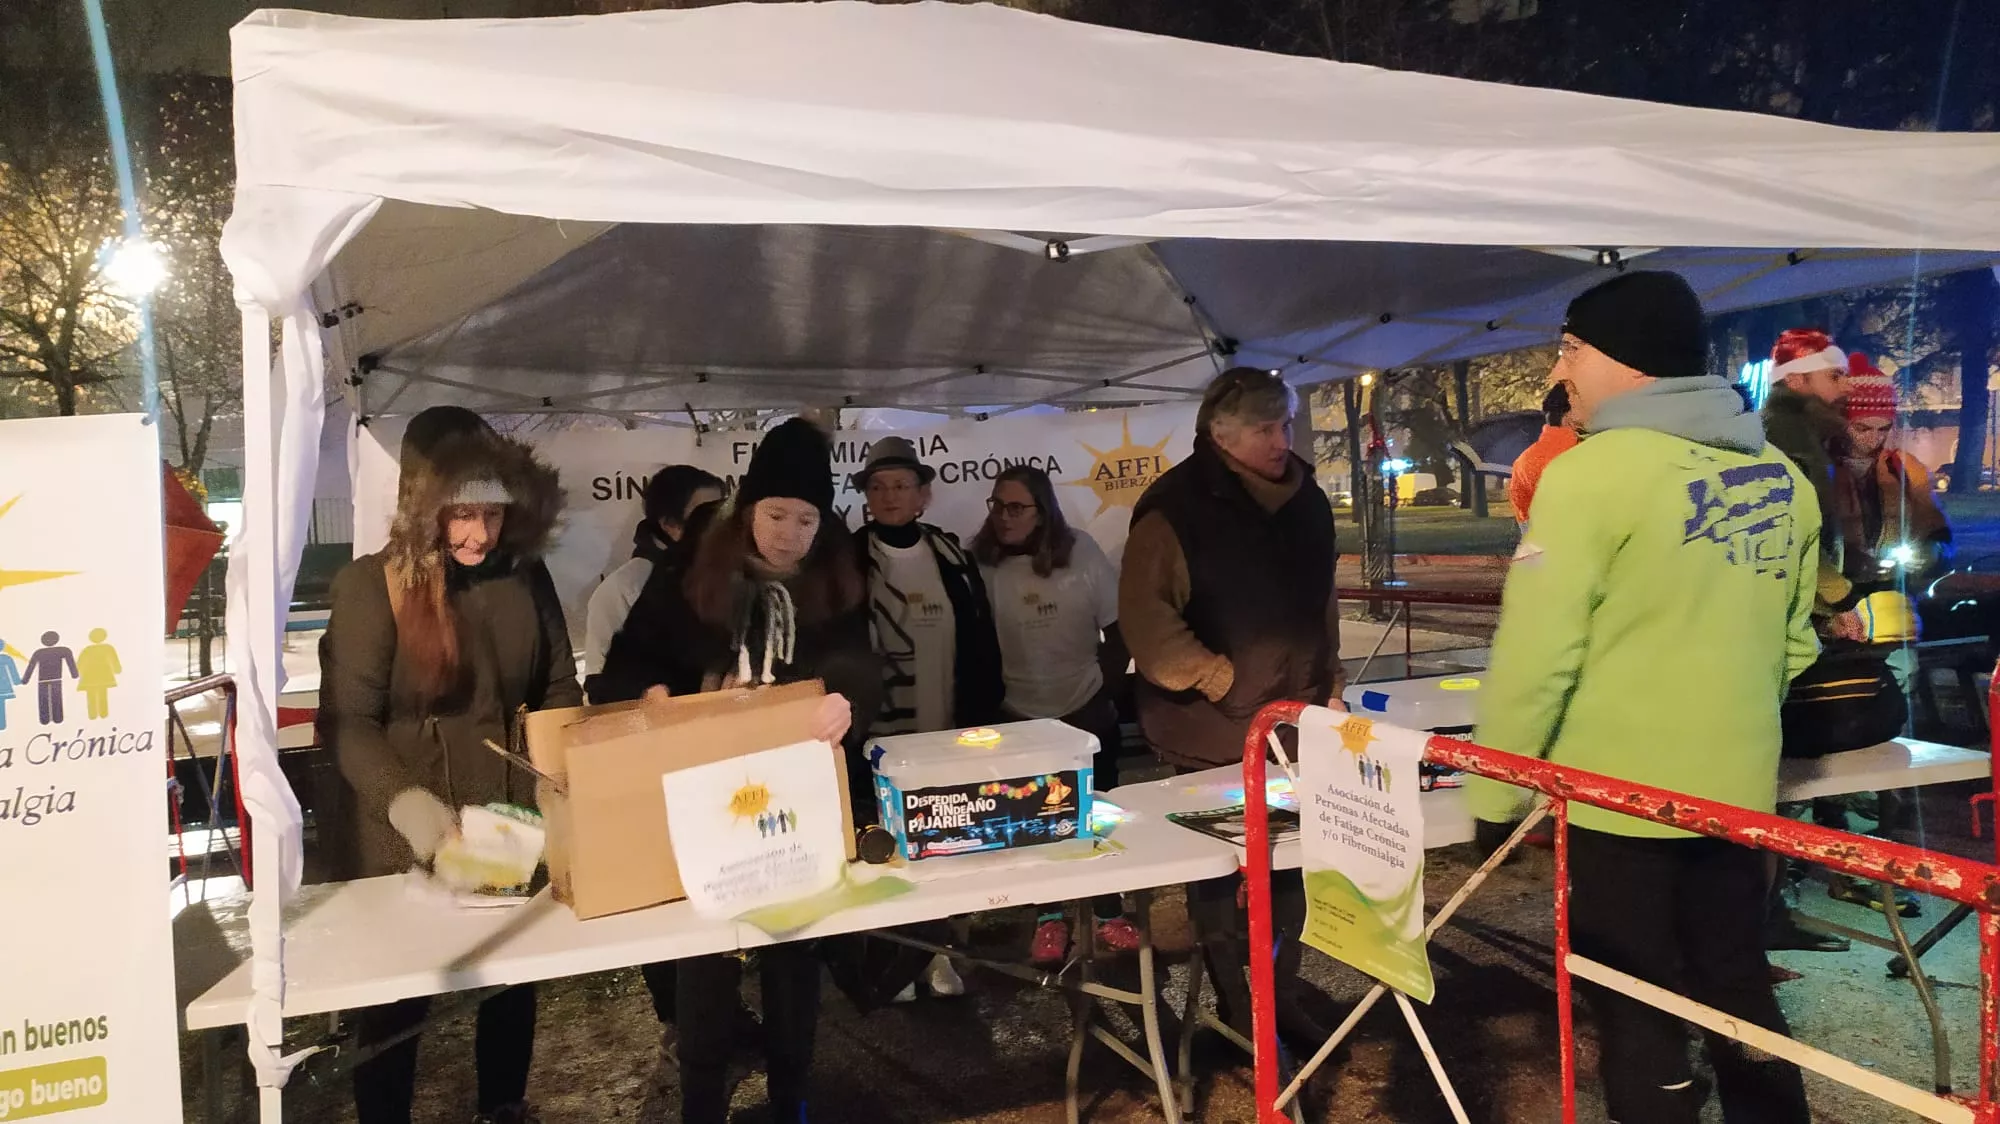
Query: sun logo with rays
(1356,734)
(750,801)
(1121,475)
(25,577)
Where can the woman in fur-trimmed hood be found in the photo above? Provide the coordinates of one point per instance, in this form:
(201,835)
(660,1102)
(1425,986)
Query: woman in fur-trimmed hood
(434,646)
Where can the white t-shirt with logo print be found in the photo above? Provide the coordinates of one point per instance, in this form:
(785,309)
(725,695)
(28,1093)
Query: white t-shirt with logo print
(1050,628)
(917,633)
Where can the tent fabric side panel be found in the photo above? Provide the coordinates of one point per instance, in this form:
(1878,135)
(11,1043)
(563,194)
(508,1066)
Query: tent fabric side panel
(282,414)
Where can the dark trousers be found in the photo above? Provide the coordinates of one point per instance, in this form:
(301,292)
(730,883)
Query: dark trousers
(709,994)
(502,1046)
(661,979)
(1224,932)
(1686,915)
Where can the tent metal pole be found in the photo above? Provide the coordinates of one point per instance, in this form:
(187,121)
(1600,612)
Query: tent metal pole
(1204,325)
(1593,255)
(1055,249)
(1118,381)
(1769,266)
(544,404)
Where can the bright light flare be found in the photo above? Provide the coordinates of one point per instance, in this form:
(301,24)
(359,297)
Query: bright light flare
(135,267)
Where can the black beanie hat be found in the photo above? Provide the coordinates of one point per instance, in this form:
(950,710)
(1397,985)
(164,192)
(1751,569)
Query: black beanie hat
(794,462)
(1651,321)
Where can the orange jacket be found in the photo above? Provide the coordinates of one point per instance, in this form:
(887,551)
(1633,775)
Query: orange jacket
(1554,441)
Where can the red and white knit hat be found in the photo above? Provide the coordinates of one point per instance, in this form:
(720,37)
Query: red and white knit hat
(1802,351)
(1870,393)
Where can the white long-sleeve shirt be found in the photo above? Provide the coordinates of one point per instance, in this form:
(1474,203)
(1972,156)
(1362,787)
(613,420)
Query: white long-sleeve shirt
(609,605)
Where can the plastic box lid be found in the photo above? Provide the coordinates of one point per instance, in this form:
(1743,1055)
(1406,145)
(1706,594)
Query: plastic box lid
(1003,752)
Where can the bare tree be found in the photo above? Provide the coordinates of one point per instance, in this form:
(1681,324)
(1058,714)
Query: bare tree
(196,323)
(62,330)
(65,334)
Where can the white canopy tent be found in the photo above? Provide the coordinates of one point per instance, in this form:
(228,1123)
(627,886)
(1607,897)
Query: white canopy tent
(771,205)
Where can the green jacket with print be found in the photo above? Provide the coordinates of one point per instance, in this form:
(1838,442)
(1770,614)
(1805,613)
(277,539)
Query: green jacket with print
(1658,608)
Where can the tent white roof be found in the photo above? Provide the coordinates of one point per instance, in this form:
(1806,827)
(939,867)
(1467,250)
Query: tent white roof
(798,203)
(1324,218)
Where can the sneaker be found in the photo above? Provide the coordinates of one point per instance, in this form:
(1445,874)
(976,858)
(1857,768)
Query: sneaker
(1051,943)
(1856,892)
(943,979)
(1118,934)
(520,1112)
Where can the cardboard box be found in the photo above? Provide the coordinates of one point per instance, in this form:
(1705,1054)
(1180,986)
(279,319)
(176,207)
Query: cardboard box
(608,847)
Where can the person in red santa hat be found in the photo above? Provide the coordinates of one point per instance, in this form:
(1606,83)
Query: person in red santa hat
(1890,525)
(1805,417)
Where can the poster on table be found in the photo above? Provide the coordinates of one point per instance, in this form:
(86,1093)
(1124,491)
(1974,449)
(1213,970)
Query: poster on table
(757,830)
(1100,460)
(1363,846)
(87,1025)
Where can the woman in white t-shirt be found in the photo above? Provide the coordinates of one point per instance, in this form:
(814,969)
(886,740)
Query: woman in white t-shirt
(1055,606)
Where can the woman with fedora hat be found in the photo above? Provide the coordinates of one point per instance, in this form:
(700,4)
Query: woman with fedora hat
(932,622)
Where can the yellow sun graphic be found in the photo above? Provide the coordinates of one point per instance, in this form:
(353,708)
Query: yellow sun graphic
(750,801)
(1119,476)
(1356,734)
(25,577)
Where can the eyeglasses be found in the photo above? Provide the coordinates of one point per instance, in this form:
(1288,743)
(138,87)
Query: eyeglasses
(1010,510)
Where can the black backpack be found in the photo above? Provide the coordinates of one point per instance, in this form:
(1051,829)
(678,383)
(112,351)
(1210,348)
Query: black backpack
(1849,699)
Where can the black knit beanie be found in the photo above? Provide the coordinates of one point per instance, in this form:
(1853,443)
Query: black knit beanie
(1651,321)
(794,462)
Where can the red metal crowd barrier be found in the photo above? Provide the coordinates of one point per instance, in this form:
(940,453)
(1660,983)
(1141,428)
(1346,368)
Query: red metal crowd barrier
(226,766)
(1965,881)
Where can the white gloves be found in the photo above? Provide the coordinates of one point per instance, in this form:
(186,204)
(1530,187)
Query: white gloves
(425,821)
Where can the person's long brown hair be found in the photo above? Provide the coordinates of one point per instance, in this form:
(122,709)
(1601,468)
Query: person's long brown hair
(828,583)
(1049,544)
(427,625)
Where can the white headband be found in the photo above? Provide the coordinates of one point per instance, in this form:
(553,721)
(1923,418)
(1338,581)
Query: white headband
(1828,359)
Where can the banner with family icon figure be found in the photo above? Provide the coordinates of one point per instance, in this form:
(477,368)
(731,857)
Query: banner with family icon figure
(1363,846)
(87,1026)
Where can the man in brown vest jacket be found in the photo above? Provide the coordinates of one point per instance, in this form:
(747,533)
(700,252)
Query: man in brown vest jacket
(1227,601)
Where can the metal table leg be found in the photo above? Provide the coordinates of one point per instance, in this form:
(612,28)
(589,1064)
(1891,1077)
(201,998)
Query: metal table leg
(1899,966)
(1081,1006)
(1191,1016)
(1940,1042)
(1149,1011)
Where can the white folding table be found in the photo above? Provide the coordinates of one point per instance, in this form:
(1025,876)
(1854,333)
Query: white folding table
(1903,763)
(374,941)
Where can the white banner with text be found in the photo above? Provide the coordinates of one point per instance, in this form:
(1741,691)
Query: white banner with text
(1100,460)
(87,1025)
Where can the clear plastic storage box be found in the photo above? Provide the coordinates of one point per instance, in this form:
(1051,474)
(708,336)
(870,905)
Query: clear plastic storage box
(963,791)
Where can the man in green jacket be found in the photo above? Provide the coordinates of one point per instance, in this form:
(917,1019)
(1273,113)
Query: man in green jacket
(1654,615)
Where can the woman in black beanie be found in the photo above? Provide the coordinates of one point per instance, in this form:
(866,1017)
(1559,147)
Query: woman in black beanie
(770,595)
